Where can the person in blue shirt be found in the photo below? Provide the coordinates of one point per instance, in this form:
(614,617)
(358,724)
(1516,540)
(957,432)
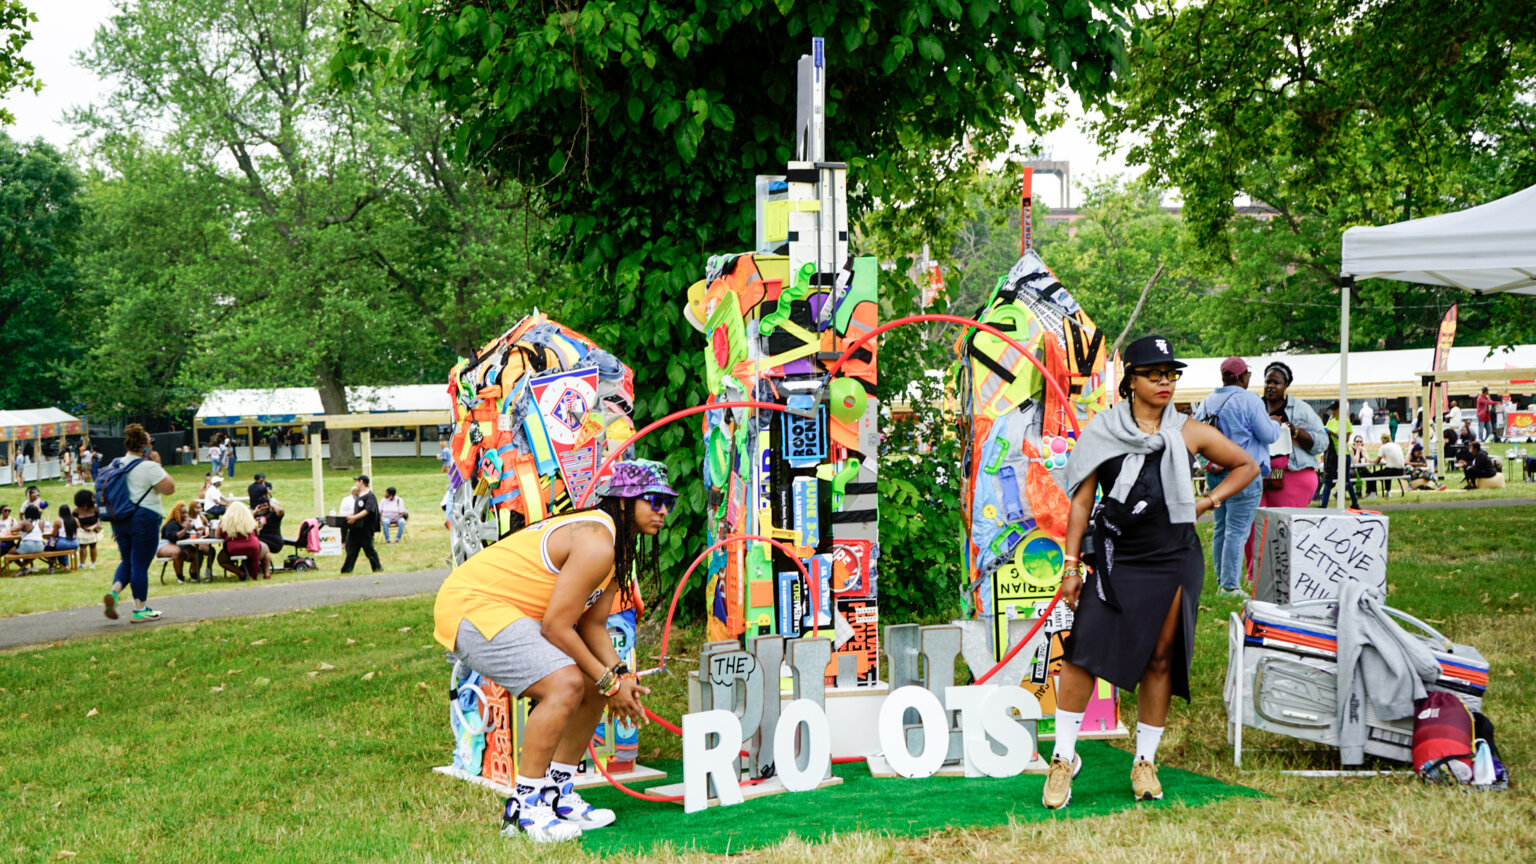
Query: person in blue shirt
(1242,417)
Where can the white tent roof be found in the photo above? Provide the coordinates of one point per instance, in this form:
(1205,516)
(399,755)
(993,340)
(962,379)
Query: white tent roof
(1485,249)
(35,417)
(1374,374)
(306,400)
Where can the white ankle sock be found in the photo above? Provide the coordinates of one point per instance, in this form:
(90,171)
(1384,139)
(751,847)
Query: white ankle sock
(559,774)
(528,789)
(1147,739)
(1068,724)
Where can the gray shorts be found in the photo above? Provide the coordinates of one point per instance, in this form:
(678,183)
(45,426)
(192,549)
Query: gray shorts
(518,658)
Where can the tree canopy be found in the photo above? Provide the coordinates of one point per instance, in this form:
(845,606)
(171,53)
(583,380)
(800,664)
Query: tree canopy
(265,228)
(1333,114)
(16,72)
(40,224)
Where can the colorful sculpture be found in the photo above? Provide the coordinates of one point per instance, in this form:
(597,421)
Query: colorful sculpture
(1018,439)
(535,412)
(774,318)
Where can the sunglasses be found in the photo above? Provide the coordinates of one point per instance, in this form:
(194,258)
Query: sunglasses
(1159,375)
(659,502)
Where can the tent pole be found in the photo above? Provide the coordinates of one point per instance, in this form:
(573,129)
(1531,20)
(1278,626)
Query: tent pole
(1343,418)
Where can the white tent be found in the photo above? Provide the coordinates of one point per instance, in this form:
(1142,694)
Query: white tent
(1489,249)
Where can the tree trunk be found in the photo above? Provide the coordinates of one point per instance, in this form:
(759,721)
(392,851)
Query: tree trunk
(333,397)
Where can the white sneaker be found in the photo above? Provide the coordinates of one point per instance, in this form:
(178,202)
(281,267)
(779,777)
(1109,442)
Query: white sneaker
(538,823)
(570,807)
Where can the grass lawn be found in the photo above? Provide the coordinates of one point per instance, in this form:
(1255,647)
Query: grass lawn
(419,481)
(309,736)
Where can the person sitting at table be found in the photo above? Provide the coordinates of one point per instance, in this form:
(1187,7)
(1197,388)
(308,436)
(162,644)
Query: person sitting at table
(89,532)
(7,530)
(239,527)
(214,502)
(258,491)
(1476,465)
(201,529)
(30,532)
(269,521)
(66,530)
(1389,462)
(174,530)
(35,499)
(392,512)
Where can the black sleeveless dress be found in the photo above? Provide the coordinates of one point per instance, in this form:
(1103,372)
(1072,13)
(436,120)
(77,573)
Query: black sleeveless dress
(1142,560)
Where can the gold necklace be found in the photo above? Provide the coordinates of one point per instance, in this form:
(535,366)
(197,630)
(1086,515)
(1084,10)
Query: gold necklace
(1143,424)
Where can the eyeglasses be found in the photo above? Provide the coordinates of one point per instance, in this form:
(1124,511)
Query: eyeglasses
(1157,376)
(659,502)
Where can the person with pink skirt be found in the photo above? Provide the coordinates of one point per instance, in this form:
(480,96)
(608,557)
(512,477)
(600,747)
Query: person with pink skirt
(1292,479)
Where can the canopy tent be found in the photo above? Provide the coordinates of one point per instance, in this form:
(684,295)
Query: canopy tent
(1374,375)
(410,407)
(35,424)
(1489,249)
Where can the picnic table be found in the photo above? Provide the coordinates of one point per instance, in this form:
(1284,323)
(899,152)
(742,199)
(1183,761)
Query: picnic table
(201,542)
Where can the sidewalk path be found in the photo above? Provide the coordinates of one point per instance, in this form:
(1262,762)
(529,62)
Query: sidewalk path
(45,627)
(1475,504)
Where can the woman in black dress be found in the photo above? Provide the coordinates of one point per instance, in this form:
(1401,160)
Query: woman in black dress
(1135,625)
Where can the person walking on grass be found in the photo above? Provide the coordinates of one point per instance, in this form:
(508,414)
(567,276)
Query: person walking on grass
(530,613)
(1135,627)
(138,536)
(361,525)
(1241,416)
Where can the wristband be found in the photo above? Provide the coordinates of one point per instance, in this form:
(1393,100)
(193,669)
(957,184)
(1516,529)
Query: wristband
(606,682)
(612,691)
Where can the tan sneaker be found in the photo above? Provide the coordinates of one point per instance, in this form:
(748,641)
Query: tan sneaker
(1144,785)
(1058,782)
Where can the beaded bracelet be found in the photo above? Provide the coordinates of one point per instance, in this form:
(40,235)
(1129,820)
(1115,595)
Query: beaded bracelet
(608,683)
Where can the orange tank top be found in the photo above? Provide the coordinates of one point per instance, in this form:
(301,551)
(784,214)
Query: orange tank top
(510,579)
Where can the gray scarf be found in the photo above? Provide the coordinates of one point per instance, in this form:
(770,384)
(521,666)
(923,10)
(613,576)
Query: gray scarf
(1114,432)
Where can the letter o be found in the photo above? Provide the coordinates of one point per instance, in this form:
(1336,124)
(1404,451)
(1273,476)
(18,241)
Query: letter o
(893,734)
(817,746)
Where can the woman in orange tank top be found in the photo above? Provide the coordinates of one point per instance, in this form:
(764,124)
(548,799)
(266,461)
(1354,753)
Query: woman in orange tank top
(530,612)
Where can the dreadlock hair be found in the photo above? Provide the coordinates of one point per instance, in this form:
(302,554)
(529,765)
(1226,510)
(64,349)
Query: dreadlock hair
(635,556)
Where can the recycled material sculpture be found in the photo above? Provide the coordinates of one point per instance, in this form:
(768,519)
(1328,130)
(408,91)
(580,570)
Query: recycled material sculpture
(774,318)
(535,412)
(1017,442)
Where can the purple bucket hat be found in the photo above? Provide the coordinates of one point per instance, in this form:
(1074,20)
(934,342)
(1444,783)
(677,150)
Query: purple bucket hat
(634,478)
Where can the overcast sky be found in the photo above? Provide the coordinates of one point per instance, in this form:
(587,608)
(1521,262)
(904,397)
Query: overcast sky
(65,27)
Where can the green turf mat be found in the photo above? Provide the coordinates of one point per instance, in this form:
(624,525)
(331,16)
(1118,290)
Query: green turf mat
(896,807)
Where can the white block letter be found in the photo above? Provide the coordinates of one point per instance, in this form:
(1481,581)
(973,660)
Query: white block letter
(707,766)
(1004,727)
(893,737)
(815,746)
(967,702)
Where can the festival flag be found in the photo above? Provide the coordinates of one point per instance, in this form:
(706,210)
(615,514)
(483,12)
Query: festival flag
(1442,356)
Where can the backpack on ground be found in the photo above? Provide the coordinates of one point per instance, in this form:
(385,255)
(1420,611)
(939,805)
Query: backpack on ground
(1442,739)
(114,502)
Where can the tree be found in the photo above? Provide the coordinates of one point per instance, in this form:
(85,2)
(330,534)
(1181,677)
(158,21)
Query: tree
(1107,255)
(40,217)
(16,72)
(641,124)
(327,240)
(1333,115)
